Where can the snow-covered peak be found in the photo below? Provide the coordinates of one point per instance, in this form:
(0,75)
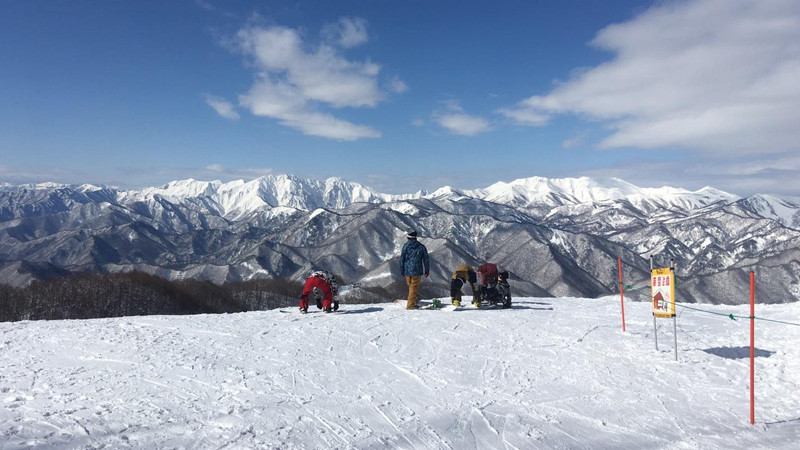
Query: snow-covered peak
(780,210)
(542,190)
(46,186)
(181,189)
(237,199)
(445,192)
(677,198)
(91,188)
(557,192)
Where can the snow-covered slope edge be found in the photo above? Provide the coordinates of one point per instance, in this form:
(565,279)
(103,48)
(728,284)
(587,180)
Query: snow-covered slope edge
(549,373)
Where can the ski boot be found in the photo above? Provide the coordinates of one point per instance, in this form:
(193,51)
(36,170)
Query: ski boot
(303,310)
(456,302)
(335,306)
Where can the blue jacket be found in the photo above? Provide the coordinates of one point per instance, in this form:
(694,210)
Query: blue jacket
(414,259)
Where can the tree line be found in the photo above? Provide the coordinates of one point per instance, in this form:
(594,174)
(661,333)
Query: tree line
(91,296)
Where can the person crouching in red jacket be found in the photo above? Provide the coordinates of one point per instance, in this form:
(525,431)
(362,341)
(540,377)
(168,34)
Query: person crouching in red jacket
(322,287)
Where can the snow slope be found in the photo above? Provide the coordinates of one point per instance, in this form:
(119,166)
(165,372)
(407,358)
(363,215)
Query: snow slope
(549,373)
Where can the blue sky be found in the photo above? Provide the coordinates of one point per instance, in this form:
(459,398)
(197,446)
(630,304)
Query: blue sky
(402,96)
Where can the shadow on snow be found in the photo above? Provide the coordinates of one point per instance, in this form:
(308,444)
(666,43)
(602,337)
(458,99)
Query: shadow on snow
(738,352)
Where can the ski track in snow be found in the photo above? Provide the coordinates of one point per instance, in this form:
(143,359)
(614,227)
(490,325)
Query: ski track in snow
(378,376)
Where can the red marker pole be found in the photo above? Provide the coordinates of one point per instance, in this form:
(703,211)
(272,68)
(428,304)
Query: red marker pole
(621,295)
(752,347)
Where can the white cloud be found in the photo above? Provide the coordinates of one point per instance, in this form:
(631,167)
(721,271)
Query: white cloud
(767,174)
(456,121)
(418,123)
(204,5)
(572,142)
(715,76)
(293,82)
(397,85)
(348,32)
(223,107)
(462,124)
(526,116)
(283,102)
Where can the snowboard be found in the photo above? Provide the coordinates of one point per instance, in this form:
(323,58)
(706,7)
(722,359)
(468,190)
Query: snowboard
(424,304)
(315,312)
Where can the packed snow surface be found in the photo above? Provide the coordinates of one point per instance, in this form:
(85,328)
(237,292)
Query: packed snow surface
(548,373)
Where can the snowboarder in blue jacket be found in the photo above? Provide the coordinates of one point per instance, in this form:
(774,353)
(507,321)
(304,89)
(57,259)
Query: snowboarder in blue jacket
(414,264)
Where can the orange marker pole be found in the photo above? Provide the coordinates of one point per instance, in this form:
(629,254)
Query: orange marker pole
(621,295)
(752,347)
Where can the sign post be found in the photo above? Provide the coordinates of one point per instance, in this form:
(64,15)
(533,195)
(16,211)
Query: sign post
(662,294)
(655,328)
(752,347)
(621,295)
(674,316)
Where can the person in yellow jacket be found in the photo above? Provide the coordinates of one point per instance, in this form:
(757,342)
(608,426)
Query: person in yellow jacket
(463,274)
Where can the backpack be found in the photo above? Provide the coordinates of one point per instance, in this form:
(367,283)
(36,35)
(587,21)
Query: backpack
(488,273)
(328,278)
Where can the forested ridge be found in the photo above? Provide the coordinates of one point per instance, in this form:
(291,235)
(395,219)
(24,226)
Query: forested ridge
(91,295)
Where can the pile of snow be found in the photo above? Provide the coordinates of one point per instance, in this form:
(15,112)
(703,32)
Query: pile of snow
(548,373)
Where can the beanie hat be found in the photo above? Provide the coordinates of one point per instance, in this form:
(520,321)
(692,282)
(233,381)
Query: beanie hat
(412,234)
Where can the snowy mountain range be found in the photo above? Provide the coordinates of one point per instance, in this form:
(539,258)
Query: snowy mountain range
(558,237)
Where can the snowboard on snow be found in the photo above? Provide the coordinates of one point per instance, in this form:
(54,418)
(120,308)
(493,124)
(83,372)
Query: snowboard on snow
(426,304)
(310,312)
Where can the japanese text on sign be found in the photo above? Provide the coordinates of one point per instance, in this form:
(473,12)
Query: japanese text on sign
(662,288)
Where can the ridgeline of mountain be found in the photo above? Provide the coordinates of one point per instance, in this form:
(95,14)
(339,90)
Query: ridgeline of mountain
(557,237)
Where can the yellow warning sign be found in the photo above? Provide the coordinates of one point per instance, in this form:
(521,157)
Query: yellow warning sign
(662,292)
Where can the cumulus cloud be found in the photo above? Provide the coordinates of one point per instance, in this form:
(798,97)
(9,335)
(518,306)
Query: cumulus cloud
(462,124)
(715,76)
(348,32)
(456,121)
(572,142)
(525,115)
(223,107)
(397,85)
(294,82)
